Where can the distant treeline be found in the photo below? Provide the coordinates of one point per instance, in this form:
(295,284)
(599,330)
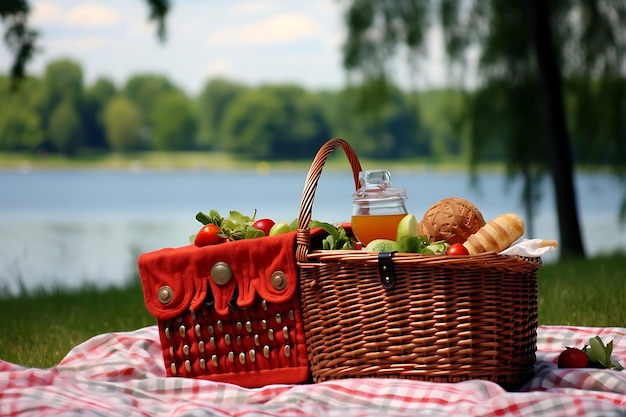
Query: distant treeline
(58,113)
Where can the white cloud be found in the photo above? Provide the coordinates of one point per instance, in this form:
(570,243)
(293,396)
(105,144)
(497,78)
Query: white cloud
(251,41)
(145,29)
(279,29)
(92,15)
(84,15)
(85,43)
(46,12)
(254,6)
(218,68)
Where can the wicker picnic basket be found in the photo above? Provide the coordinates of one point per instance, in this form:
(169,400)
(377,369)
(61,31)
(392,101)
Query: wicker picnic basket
(425,317)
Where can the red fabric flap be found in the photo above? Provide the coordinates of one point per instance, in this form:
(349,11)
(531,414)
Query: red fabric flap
(176,280)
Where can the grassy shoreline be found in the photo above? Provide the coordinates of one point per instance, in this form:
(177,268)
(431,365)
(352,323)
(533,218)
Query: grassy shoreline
(41,326)
(222,161)
(202,160)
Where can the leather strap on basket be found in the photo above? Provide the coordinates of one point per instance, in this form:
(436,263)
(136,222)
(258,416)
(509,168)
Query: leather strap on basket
(386,269)
(303,239)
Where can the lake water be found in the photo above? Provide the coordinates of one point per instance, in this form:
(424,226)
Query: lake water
(71,227)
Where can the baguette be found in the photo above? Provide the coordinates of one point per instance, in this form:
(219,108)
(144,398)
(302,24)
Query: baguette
(496,235)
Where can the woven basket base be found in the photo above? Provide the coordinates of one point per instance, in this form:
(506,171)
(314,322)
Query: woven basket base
(445,320)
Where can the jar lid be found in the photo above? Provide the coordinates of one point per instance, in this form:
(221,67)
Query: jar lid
(376,186)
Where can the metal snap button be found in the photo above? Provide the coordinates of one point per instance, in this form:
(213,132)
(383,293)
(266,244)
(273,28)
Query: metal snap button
(221,273)
(165,294)
(279,280)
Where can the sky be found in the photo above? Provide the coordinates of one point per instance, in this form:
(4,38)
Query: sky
(249,41)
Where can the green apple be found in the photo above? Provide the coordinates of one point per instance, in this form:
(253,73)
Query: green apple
(280,228)
(407,227)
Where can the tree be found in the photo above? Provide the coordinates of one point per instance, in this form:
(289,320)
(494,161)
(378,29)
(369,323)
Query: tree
(95,99)
(62,98)
(441,120)
(274,121)
(65,128)
(559,149)
(304,127)
(174,122)
(391,127)
(214,100)
(20,123)
(122,122)
(401,127)
(523,67)
(22,40)
(64,80)
(251,123)
(144,90)
(20,130)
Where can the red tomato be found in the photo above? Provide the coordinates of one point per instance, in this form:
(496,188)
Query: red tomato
(208,235)
(264,224)
(573,358)
(457,249)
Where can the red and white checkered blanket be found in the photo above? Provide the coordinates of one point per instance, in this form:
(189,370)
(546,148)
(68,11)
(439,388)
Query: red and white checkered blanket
(122,374)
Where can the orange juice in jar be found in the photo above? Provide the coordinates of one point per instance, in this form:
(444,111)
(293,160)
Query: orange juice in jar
(367,227)
(377,208)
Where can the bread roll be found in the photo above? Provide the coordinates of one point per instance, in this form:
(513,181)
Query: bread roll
(496,235)
(451,219)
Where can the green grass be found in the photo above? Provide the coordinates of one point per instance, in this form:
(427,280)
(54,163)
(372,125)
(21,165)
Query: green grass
(125,161)
(189,160)
(39,328)
(584,292)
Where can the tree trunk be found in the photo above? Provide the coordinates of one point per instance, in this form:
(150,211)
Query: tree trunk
(560,156)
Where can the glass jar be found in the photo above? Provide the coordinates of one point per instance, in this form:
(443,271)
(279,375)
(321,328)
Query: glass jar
(377,207)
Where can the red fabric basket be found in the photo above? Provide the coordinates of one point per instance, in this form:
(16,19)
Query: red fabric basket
(229,312)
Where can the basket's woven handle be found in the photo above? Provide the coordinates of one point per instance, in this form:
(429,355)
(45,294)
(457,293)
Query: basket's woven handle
(308,194)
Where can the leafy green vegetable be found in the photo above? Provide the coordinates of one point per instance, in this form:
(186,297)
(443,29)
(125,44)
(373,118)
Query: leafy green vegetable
(239,226)
(413,244)
(436,248)
(599,354)
(234,227)
(337,236)
(213,217)
(253,232)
